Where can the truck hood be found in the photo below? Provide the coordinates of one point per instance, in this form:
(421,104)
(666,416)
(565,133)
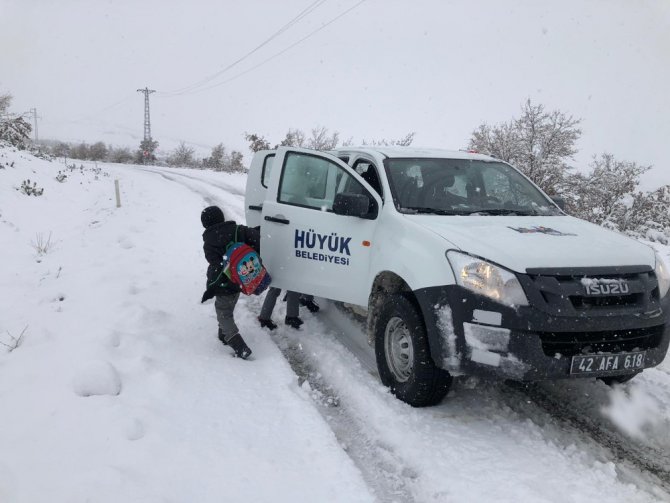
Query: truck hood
(519,243)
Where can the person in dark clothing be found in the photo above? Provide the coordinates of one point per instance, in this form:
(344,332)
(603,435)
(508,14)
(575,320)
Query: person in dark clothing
(292,319)
(216,237)
(309,303)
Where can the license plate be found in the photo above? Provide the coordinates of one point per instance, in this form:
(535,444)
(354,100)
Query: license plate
(598,364)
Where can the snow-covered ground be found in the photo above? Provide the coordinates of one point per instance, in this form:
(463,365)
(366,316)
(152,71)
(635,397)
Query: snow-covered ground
(118,389)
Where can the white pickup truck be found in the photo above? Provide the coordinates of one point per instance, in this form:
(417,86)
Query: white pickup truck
(462,264)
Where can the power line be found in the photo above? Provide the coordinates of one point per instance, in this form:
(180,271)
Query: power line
(280,52)
(305,12)
(103,109)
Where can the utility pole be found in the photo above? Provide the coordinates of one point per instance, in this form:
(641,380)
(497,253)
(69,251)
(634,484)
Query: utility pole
(147,144)
(35,117)
(147,120)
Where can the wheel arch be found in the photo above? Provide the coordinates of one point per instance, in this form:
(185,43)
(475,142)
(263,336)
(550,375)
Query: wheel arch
(388,283)
(385,283)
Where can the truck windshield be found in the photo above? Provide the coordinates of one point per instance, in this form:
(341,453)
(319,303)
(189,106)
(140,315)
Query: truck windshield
(463,187)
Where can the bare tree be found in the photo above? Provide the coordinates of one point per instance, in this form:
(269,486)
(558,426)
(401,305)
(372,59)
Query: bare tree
(405,141)
(294,138)
(322,140)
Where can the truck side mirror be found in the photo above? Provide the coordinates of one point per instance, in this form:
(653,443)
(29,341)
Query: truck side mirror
(560,202)
(353,205)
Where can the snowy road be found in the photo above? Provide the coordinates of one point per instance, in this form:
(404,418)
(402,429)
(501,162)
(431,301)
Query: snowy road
(121,392)
(407,454)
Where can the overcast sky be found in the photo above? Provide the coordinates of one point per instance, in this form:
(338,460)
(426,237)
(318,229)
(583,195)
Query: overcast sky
(383,69)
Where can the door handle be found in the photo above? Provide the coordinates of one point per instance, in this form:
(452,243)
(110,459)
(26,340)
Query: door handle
(277,219)
(257,208)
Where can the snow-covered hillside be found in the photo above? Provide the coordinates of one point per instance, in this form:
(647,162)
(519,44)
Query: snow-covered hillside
(114,387)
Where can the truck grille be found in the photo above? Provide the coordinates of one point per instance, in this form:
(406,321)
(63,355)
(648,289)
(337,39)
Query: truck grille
(583,303)
(610,341)
(596,291)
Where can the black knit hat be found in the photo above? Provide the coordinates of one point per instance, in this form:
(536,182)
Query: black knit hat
(211,215)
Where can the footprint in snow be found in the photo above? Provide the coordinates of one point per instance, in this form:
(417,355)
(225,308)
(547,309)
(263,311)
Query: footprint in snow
(135,430)
(96,377)
(125,243)
(113,339)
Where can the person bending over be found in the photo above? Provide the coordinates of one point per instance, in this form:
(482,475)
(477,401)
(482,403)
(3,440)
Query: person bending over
(216,237)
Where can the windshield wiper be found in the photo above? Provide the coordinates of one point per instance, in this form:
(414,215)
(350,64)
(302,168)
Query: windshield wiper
(501,211)
(433,211)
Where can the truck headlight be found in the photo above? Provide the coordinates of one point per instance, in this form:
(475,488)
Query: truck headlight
(662,276)
(487,279)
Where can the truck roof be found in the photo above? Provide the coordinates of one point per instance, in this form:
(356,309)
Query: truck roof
(410,152)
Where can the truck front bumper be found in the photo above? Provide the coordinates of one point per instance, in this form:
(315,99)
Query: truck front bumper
(471,334)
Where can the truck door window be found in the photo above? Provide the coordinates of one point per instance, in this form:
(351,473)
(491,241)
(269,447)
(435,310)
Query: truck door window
(368,172)
(312,182)
(267,169)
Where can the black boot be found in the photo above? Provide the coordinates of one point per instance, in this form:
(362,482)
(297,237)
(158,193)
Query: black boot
(267,324)
(239,346)
(293,321)
(310,304)
(221,338)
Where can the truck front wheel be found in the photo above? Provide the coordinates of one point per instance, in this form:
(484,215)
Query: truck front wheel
(403,354)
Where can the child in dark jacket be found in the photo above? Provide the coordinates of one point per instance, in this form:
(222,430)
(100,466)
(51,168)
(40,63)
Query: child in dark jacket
(216,237)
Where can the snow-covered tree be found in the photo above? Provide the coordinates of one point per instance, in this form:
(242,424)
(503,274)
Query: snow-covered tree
(216,160)
(538,143)
(608,196)
(146,153)
(648,216)
(13,128)
(603,195)
(183,155)
(98,151)
(256,142)
(120,154)
(81,151)
(60,149)
(16,131)
(293,138)
(5,101)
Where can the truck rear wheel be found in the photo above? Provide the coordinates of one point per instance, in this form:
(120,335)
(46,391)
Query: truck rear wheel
(403,354)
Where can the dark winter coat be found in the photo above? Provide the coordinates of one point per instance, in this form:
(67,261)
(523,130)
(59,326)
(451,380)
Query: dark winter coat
(215,241)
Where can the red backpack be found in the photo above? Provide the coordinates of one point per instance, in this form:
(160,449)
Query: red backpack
(243,266)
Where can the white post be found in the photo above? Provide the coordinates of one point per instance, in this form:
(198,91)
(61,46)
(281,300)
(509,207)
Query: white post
(118,194)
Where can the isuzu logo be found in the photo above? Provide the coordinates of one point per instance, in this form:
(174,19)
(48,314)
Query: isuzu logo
(606,287)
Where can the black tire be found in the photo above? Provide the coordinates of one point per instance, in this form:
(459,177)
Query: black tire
(614,380)
(413,378)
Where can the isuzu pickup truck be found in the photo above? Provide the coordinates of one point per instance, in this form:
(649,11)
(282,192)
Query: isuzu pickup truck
(461,264)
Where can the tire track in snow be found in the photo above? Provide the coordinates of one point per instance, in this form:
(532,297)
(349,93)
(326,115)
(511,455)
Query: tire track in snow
(210,197)
(645,458)
(223,186)
(384,472)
